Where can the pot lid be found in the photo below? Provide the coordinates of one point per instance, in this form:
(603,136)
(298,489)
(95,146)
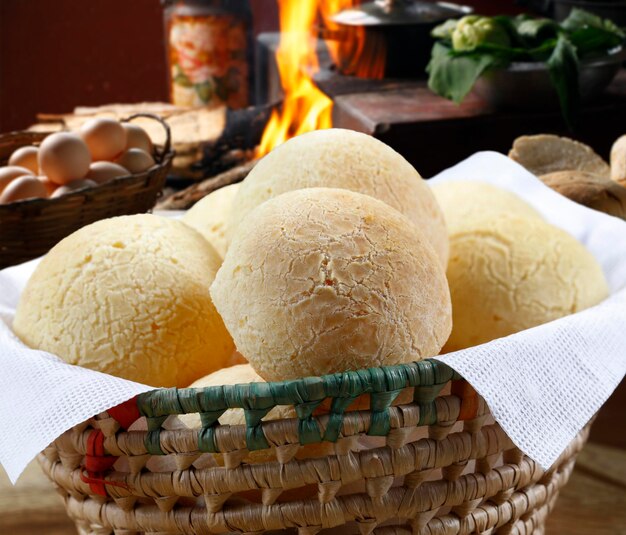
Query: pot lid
(399,12)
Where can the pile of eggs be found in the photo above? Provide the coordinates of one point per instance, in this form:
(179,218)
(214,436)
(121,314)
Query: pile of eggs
(103,149)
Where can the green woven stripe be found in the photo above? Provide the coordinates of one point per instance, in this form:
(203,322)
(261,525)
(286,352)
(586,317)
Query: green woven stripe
(345,385)
(153,442)
(255,439)
(206,440)
(309,431)
(428,414)
(384,384)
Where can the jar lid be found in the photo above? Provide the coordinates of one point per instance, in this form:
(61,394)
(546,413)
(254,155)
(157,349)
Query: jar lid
(400,12)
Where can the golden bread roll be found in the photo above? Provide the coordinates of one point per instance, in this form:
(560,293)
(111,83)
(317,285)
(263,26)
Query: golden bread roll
(209,216)
(128,296)
(510,273)
(593,191)
(618,160)
(338,158)
(546,153)
(463,201)
(323,280)
(236,358)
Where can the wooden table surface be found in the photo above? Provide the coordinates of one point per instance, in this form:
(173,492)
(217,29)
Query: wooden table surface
(593,503)
(433,133)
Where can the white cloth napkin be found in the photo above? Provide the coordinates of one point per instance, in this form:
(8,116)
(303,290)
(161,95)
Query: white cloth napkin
(542,385)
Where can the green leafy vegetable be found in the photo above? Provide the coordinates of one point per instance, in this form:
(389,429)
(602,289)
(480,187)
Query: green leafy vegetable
(590,34)
(473,30)
(444,31)
(454,76)
(579,18)
(563,69)
(529,28)
(589,41)
(468,47)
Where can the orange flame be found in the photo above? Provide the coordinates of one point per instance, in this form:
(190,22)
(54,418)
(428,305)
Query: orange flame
(305,107)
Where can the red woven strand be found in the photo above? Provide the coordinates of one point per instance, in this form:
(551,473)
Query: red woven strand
(125,413)
(96,463)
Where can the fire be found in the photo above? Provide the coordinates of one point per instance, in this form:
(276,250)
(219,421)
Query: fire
(305,107)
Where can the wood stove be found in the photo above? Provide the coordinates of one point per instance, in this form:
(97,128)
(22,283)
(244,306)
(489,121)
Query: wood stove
(434,133)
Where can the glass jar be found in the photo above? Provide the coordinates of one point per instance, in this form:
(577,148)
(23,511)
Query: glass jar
(208,48)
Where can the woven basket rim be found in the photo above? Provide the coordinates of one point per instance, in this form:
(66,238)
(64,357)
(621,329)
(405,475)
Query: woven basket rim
(345,386)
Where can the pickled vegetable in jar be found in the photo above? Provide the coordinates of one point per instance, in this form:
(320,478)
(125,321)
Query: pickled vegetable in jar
(207,45)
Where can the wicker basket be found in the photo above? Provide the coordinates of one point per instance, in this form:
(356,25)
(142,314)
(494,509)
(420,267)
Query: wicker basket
(436,465)
(29,228)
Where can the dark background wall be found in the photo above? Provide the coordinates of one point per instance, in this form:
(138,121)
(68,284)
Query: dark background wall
(58,54)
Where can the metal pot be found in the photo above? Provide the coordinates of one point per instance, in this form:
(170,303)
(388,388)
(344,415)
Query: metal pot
(396,31)
(527,85)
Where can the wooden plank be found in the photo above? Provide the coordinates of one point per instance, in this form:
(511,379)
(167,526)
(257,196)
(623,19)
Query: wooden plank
(32,506)
(604,429)
(434,134)
(594,501)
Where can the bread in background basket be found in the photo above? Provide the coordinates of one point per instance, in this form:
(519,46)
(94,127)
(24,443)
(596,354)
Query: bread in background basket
(31,226)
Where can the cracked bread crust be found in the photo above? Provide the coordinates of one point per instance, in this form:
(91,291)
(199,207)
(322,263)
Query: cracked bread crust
(464,201)
(325,280)
(128,296)
(511,273)
(210,216)
(338,158)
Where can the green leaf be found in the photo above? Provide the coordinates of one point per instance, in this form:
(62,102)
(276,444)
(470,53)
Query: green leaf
(533,28)
(528,32)
(444,31)
(579,19)
(592,34)
(453,76)
(589,40)
(509,54)
(563,69)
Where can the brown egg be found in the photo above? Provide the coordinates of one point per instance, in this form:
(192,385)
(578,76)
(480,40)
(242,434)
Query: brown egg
(63,157)
(106,138)
(101,172)
(26,157)
(7,174)
(23,187)
(51,187)
(73,186)
(135,160)
(137,138)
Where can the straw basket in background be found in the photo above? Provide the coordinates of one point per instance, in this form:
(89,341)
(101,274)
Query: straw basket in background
(436,463)
(29,228)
